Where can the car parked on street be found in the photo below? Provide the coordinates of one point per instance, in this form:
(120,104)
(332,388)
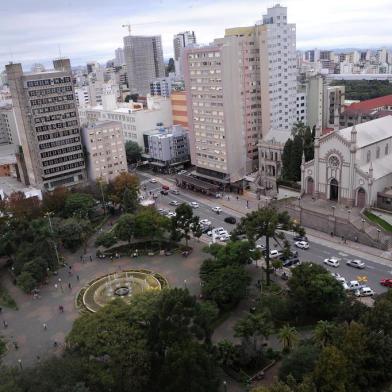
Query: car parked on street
(355,285)
(205,222)
(332,262)
(274,254)
(175,191)
(153,180)
(193,204)
(164,192)
(386,282)
(217,209)
(230,219)
(174,203)
(300,238)
(364,292)
(171,214)
(356,264)
(302,244)
(291,262)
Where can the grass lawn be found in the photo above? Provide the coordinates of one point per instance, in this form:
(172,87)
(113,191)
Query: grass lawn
(381,222)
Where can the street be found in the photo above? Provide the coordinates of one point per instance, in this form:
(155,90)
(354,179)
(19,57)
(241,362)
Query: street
(318,251)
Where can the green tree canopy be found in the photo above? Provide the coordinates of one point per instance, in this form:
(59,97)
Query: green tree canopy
(79,205)
(125,227)
(184,222)
(133,151)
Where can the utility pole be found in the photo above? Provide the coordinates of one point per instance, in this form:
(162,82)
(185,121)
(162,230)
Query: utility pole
(48,214)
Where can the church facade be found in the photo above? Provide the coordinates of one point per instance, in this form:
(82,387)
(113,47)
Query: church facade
(351,165)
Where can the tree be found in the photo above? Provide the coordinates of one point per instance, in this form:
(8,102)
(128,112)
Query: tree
(331,373)
(308,144)
(207,313)
(125,228)
(263,223)
(296,157)
(314,292)
(130,200)
(170,66)
(234,252)
(300,362)
(106,240)
(133,151)
(188,368)
(26,282)
(118,186)
(225,285)
(226,353)
(287,166)
(254,326)
(323,333)
(55,201)
(21,207)
(150,224)
(79,205)
(288,336)
(183,222)
(73,232)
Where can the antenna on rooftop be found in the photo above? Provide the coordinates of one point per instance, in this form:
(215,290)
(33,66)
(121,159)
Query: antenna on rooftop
(59,47)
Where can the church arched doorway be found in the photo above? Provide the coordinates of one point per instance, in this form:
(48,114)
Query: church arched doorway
(310,186)
(361,198)
(333,190)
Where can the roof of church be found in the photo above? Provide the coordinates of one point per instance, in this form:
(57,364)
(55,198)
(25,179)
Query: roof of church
(381,167)
(370,132)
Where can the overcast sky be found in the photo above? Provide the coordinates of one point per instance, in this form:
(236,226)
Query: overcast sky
(36,30)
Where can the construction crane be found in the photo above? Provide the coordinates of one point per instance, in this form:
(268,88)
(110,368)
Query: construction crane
(128,26)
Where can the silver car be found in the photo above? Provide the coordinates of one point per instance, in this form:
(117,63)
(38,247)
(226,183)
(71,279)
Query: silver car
(356,264)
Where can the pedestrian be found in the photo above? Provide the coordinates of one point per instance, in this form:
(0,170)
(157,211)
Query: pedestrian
(111,258)
(91,259)
(5,324)
(61,309)
(247,204)
(16,345)
(55,344)
(237,197)
(1,309)
(77,277)
(69,285)
(45,326)
(81,257)
(38,358)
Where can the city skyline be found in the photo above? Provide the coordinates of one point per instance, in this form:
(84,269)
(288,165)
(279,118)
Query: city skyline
(93,30)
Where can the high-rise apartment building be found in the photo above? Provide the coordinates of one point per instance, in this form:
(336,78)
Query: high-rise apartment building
(181,41)
(48,124)
(239,89)
(144,60)
(119,58)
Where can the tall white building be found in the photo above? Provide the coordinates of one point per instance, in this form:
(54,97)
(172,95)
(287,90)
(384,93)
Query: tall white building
(180,42)
(119,58)
(144,60)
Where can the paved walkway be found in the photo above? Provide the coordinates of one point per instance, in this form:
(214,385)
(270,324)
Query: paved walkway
(25,326)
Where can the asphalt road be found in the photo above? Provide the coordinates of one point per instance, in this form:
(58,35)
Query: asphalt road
(317,252)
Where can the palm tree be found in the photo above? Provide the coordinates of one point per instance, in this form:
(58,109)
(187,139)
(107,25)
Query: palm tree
(288,336)
(323,333)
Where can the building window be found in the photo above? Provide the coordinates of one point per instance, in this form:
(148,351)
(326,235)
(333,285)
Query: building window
(368,156)
(386,150)
(378,152)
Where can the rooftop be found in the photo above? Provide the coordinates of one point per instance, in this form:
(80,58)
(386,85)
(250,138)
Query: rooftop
(370,132)
(369,104)
(381,167)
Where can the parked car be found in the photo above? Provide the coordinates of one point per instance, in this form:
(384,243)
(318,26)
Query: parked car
(153,181)
(292,255)
(218,195)
(217,209)
(364,292)
(205,222)
(356,264)
(274,254)
(164,192)
(224,237)
(182,172)
(193,204)
(300,238)
(207,229)
(386,282)
(230,219)
(302,244)
(217,231)
(162,211)
(332,262)
(171,214)
(355,285)
(175,191)
(291,261)
(165,187)
(174,203)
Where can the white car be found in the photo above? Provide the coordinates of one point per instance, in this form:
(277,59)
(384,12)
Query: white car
(171,214)
(274,254)
(302,244)
(193,204)
(356,264)
(217,209)
(260,246)
(224,237)
(153,181)
(162,211)
(332,262)
(175,192)
(364,292)
(338,277)
(205,222)
(174,203)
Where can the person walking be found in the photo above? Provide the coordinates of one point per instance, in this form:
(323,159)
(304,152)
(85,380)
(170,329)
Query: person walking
(91,259)
(5,324)
(45,326)
(77,277)
(69,285)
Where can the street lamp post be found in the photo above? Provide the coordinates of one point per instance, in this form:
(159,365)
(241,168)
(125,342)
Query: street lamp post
(49,214)
(334,220)
(363,224)
(378,235)
(348,215)
(185,283)
(61,286)
(20,364)
(225,386)
(300,210)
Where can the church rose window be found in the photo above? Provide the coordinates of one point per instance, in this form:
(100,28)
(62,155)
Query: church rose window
(334,161)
